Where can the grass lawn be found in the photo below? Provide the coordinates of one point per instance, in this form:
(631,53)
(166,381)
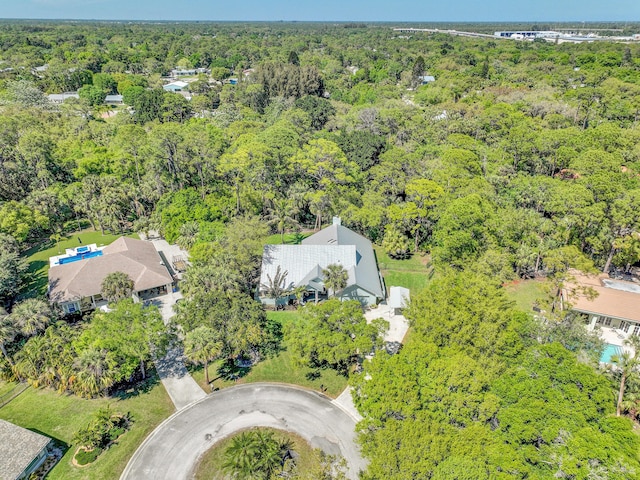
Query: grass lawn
(289,238)
(38,256)
(413,273)
(211,461)
(526,293)
(281,368)
(60,416)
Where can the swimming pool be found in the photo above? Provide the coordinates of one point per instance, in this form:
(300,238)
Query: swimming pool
(80,256)
(609,351)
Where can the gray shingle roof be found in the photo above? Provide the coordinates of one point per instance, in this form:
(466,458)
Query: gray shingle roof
(333,245)
(136,258)
(18,448)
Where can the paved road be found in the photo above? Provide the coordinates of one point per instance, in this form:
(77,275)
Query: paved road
(172,450)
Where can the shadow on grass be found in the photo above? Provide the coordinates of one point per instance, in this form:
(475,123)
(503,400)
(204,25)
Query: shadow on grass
(139,387)
(229,370)
(61,444)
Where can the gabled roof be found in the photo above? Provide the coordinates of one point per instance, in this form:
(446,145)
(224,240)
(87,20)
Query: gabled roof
(615,298)
(303,263)
(366,271)
(18,448)
(177,83)
(333,245)
(136,258)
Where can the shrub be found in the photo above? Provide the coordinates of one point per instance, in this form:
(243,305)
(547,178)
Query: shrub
(83,457)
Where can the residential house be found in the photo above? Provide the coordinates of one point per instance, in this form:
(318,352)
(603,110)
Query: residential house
(606,302)
(176,86)
(21,451)
(75,279)
(425,79)
(61,97)
(303,265)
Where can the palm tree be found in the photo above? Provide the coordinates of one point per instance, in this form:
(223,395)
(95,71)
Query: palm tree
(240,457)
(188,235)
(277,286)
(255,454)
(31,316)
(202,279)
(94,371)
(116,286)
(272,451)
(56,237)
(627,364)
(202,345)
(8,332)
(281,215)
(335,277)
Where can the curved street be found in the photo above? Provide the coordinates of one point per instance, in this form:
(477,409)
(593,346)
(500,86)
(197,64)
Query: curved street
(172,450)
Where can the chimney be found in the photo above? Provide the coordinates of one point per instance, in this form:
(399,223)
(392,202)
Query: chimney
(337,221)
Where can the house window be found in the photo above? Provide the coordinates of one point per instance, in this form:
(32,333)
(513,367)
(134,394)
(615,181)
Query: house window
(71,307)
(607,322)
(624,326)
(636,330)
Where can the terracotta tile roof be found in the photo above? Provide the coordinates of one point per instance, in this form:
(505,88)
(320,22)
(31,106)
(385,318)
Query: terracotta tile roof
(136,258)
(615,298)
(18,448)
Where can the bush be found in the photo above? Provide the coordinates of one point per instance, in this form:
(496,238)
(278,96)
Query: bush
(83,457)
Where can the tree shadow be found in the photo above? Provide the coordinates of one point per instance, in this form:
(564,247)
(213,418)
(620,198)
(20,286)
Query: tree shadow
(229,370)
(137,387)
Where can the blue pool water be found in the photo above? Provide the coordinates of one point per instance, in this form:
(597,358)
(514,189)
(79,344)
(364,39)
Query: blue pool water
(82,256)
(609,351)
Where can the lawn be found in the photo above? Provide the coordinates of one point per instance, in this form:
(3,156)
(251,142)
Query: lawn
(413,273)
(60,416)
(281,369)
(38,256)
(527,293)
(289,238)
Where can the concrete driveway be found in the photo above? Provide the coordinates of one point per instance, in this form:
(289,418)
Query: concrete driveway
(172,450)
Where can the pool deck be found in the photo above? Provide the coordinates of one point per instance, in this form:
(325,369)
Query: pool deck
(616,337)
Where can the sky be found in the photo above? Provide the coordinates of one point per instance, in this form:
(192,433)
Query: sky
(327,10)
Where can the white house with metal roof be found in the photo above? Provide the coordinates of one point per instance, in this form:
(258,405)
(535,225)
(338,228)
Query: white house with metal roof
(303,265)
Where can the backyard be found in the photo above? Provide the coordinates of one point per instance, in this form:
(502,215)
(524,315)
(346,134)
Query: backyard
(59,416)
(38,256)
(413,273)
(528,293)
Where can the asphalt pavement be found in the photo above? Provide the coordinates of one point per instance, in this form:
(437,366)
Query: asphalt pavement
(172,450)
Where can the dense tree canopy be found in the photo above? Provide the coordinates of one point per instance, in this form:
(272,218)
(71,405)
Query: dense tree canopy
(521,159)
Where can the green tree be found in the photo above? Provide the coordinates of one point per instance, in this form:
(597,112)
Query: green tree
(188,235)
(626,364)
(92,94)
(277,286)
(201,346)
(131,334)
(94,372)
(395,244)
(282,213)
(335,278)
(8,332)
(334,334)
(254,455)
(12,269)
(116,286)
(31,316)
